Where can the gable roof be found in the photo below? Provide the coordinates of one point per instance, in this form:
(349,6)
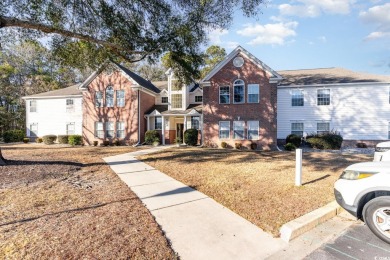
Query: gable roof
(161,85)
(323,76)
(247,54)
(138,79)
(72,91)
(163,110)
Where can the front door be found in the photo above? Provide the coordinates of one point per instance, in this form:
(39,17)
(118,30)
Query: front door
(179,131)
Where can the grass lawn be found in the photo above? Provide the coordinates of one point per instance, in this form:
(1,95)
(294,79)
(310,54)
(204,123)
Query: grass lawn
(259,186)
(61,202)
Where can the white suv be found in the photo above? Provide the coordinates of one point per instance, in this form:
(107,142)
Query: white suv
(380,150)
(364,191)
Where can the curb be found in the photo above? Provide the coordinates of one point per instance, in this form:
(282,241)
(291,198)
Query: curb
(300,225)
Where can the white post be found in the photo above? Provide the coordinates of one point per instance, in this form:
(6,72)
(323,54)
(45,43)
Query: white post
(298,167)
(162,130)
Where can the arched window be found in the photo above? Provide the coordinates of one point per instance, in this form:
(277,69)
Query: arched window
(109,96)
(239,91)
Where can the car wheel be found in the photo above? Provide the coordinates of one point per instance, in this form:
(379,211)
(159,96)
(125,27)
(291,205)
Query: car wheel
(377,217)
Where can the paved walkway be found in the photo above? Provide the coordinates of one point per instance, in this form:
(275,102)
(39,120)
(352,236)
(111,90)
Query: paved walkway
(197,226)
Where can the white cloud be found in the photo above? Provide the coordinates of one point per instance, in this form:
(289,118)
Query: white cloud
(378,15)
(231,45)
(377,35)
(215,36)
(322,39)
(274,34)
(314,8)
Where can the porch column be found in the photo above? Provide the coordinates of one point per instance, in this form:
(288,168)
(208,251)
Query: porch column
(201,129)
(147,123)
(185,127)
(163,130)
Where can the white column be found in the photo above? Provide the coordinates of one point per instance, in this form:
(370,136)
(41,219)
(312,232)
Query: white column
(163,130)
(201,129)
(298,167)
(147,123)
(185,126)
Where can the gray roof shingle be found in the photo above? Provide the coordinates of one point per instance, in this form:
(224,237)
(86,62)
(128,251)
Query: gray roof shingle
(63,92)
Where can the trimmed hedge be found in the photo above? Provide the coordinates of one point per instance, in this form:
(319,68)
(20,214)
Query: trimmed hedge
(152,136)
(63,139)
(191,137)
(75,140)
(49,139)
(26,140)
(331,140)
(11,136)
(224,145)
(39,140)
(294,139)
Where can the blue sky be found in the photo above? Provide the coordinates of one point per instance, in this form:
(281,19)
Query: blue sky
(300,34)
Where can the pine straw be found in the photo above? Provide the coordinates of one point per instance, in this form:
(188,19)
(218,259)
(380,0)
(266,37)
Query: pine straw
(59,202)
(259,186)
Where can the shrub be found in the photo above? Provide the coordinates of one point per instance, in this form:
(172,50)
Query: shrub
(39,140)
(13,136)
(95,143)
(152,136)
(294,139)
(191,137)
(117,142)
(49,139)
(26,140)
(106,143)
(178,140)
(224,145)
(63,139)
(331,140)
(75,140)
(253,146)
(361,145)
(290,147)
(238,145)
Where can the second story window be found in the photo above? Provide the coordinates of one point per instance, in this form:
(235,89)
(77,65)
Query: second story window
(198,98)
(253,93)
(164,100)
(224,95)
(33,106)
(69,105)
(109,96)
(323,97)
(120,98)
(297,98)
(98,99)
(177,101)
(239,92)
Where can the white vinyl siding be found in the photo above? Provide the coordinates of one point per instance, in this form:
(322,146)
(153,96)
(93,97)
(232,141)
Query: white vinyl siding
(224,129)
(224,95)
(253,130)
(253,93)
(239,130)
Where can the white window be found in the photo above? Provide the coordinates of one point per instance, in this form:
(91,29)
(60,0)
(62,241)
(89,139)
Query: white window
(195,122)
(69,105)
(70,128)
(99,132)
(33,106)
(109,96)
(177,101)
(198,98)
(238,91)
(98,99)
(323,97)
(164,100)
(109,129)
(253,93)
(224,95)
(158,122)
(297,98)
(253,130)
(120,129)
(238,130)
(297,128)
(389,132)
(120,98)
(34,129)
(224,129)
(323,127)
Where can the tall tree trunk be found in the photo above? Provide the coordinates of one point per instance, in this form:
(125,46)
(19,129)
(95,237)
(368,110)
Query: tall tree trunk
(2,160)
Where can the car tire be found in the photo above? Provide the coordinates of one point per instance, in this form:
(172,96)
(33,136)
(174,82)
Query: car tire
(376,215)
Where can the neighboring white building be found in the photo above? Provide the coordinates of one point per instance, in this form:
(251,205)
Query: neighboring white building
(57,112)
(354,104)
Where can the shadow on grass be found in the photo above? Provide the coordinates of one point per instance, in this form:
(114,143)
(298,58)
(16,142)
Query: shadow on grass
(65,211)
(318,179)
(69,163)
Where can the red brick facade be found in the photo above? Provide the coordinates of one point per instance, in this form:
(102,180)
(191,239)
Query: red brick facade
(127,114)
(264,111)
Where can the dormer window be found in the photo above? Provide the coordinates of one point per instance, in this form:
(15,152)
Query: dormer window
(198,98)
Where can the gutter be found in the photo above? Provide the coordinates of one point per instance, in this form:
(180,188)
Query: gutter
(139,119)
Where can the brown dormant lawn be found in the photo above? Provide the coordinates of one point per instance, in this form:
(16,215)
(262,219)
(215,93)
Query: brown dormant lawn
(61,202)
(259,186)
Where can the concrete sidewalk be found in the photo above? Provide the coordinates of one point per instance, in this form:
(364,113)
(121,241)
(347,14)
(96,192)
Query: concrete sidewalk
(197,226)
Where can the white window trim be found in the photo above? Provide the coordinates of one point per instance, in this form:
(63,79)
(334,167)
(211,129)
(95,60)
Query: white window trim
(198,101)
(101,98)
(303,97)
(106,97)
(303,128)
(36,106)
(219,130)
(106,129)
(327,122)
(116,97)
(33,124)
(330,96)
(234,85)
(96,130)
(258,93)
(74,128)
(243,122)
(258,129)
(122,130)
(219,96)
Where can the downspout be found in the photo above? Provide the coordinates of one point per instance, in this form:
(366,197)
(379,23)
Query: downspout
(139,119)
